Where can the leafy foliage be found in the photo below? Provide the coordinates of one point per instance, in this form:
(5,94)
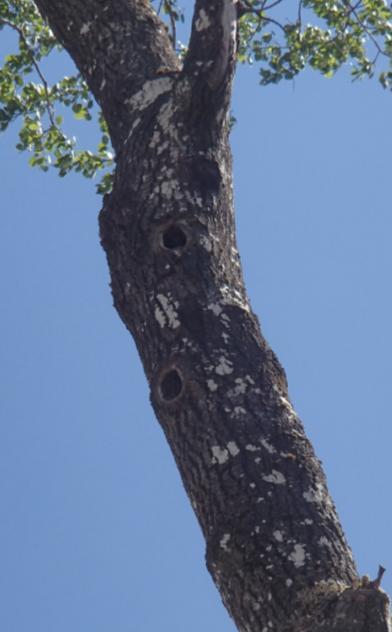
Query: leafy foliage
(358,32)
(322,34)
(26,95)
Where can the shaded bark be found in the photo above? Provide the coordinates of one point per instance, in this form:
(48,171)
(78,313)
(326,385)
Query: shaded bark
(274,544)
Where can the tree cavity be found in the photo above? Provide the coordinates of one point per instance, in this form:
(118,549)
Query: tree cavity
(171,385)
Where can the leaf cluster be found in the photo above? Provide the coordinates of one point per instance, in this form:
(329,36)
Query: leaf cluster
(26,95)
(322,34)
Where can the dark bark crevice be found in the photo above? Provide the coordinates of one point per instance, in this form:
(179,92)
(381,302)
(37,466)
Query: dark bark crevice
(274,544)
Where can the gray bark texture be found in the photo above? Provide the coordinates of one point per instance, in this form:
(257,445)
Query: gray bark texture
(274,544)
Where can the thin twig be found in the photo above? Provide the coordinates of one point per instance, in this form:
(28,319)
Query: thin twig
(270,6)
(300,13)
(259,13)
(273,22)
(173,28)
(36,66)
(366,30)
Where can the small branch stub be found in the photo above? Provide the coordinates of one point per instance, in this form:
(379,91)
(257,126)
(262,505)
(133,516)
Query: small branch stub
(376,583)
(171,385)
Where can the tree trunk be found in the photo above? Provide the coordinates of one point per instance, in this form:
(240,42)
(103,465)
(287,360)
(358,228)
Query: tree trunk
(274,545)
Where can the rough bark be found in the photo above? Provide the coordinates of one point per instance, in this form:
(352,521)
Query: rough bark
(274,545)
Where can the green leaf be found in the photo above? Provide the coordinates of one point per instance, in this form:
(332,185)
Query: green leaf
(334,35)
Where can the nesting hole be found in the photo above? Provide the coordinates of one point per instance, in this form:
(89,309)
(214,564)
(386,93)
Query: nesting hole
(174,237)
(171,385)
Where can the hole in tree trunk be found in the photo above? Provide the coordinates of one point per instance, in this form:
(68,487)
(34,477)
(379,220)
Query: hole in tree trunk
(171,385)
(174,237)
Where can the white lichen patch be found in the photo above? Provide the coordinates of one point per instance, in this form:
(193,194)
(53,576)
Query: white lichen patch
(224,541)
(330,586)
(164,119)
(85,28)
(155,139)
(233,448)
(189,344)
(323,541)
(205,243)
(289,582)
(160,317)
(219,455)
(134,126)
(251,448)
(270,448)
(166,314)
(315,495)
(226,320)
(161,148)
(232,296)
(288,405)
(275,477)
(238,411)
(149,92)
(240,387)
(225,366)
(203,21)
(178,195)
(168,188)
(287,455)
(222,455)
(212,386)
(298,555)
(278,535)
(215,308)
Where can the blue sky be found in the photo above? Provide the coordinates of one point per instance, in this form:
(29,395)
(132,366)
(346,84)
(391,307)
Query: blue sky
(96,533)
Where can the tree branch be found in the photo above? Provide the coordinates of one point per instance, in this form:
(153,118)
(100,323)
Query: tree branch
(213,42)
(49,108)
(117,46)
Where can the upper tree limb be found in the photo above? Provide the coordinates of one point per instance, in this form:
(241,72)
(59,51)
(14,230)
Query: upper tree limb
(116,46)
